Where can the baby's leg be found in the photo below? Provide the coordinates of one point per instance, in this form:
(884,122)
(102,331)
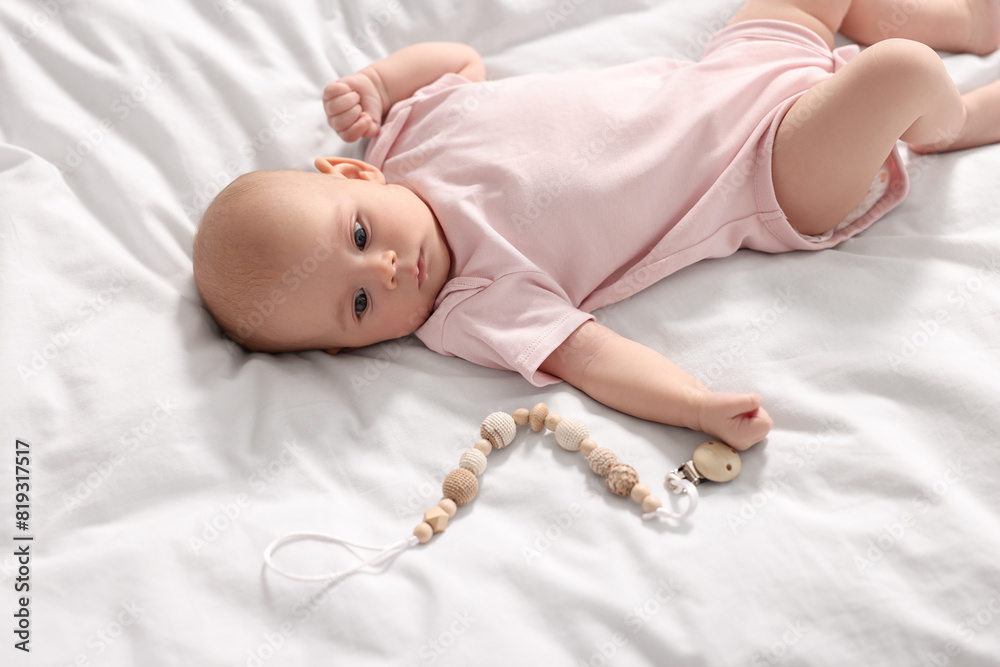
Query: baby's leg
(960,26)
(834,138)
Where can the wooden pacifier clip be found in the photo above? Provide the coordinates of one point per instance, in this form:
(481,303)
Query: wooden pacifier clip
(712,460)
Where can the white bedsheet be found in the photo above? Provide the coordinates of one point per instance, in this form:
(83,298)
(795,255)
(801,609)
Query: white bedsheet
(163,459)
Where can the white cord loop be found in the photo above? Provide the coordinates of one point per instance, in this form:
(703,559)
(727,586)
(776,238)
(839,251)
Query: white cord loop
(678,485)
(373,565)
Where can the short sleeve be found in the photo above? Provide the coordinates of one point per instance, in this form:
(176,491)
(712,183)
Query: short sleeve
(513,323)
(379,147)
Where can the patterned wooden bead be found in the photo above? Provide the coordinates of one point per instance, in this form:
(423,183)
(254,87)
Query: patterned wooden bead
(484,446)
(552,421)
(587,446)
(536,418)
(449,506)
(423,532)
(569,433)
(461,486)
(601,460)
(621,478)
(499,428)
(436,518)
(474,461)
(521,416)
(651,503)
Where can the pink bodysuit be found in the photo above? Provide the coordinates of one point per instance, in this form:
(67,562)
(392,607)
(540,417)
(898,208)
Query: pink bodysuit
(562,193)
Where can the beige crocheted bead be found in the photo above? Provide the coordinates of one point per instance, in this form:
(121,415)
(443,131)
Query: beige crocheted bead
(474,461)
(601,460)
(569,433)
(461,486)
(650,503)
(552,421)
(449,506)
(423,532)
(587,446)
(621,478)
(521,416)
(716,461)
(499,428)
(536,418)
(484,446)
(639,492)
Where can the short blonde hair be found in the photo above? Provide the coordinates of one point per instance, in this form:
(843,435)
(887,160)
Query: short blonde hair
(233,268)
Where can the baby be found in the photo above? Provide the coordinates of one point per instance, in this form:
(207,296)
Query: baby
(492,217)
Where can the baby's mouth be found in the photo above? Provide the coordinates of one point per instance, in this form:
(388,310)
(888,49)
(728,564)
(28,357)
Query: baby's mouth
(421,269)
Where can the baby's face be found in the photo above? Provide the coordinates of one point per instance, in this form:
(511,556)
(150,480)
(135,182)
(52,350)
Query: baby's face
(361,261)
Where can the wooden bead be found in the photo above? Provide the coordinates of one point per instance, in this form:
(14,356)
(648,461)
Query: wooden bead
(474,461)
(651,503)
(484,446)
(587,446)
(601,460)
(621,478)
(423,532)
(521,416)
(716,461)
(569,433)
(449,506)
(499,428)
(639,492)
(552,421)
(461,486)
(536,418)
(436,518)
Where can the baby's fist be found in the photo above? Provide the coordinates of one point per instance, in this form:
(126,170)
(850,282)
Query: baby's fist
(353,107)
(738,419)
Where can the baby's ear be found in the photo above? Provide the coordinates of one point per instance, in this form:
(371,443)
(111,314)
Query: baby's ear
(345,167)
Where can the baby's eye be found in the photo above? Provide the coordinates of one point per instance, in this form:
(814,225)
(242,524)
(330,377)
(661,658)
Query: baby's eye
(360,302)
(360,236)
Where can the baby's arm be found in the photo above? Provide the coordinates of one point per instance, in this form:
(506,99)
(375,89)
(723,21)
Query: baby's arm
(356,104)
(634,379)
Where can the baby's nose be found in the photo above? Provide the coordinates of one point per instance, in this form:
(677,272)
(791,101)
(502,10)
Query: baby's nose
(387,266)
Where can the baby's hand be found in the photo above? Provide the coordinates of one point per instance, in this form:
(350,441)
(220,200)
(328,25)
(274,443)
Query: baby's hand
(737,419)
(353,107)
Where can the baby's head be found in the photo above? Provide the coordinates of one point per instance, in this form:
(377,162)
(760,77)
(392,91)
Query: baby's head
(295,260)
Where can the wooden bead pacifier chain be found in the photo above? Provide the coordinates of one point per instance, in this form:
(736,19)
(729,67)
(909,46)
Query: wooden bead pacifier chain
(712,460)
